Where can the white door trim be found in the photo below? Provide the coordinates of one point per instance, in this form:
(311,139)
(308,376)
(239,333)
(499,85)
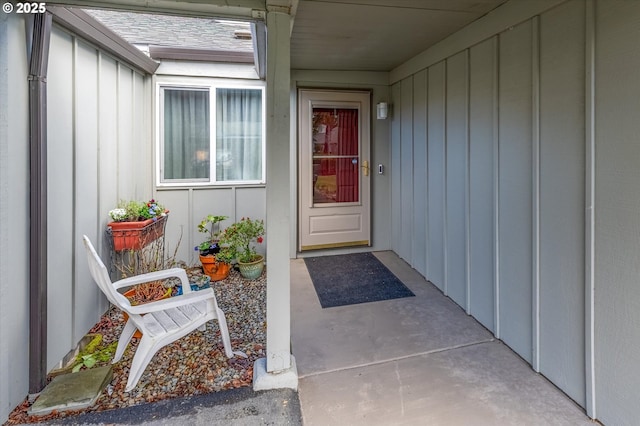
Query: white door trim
(333,224)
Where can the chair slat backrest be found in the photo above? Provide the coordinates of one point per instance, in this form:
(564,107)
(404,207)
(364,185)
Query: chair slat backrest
(101,276)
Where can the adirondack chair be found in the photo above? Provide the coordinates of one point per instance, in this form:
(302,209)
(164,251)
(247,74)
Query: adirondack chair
(160,322)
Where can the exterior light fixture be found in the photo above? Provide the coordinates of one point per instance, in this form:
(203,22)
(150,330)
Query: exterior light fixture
(383,110)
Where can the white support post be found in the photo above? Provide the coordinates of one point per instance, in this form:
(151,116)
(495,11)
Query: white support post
(278,370)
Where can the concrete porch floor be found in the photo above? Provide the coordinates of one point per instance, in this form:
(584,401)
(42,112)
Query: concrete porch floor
(417,360)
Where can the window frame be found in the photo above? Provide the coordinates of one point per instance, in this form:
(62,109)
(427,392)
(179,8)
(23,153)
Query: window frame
(211,85)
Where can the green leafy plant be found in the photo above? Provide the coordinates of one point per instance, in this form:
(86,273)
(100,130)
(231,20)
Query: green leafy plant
(133,211)
(94,353)
(238,239)
(226,254)
(210,225)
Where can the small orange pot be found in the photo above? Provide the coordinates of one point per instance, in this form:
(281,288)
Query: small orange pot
(216,270)
(129,294)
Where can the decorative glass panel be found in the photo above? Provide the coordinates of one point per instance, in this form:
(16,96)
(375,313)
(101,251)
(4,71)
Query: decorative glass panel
(336,159)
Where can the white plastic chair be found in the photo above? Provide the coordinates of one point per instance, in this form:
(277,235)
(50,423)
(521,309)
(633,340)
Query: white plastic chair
(164,321)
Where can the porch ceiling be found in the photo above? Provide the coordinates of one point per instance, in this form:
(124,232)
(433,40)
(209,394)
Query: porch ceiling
(375,35)
(352,35)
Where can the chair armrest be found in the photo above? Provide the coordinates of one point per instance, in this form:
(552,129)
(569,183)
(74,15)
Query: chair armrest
(172,302)
(154,276)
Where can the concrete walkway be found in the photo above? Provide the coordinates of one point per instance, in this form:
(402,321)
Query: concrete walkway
(414,361)
(418,360)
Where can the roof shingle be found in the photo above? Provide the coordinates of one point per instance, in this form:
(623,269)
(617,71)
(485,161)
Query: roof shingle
(175,31)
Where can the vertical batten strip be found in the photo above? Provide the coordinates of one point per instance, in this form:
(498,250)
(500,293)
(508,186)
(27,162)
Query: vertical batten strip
(535,199)
(99,299)
(140,192)
(394,169)
(119,195)
(75,333)
(98,222)
(191,220)
(467,181)
(427,251)
(135,148)
(589,263)
(445,224)
(496,183)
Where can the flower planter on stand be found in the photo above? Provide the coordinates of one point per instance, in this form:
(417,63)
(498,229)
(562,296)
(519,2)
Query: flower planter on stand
(252,270)
(135,235)
(213,268)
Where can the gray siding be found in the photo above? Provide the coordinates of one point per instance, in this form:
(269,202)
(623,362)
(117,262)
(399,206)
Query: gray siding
(562,188)
(419,234)
(85,188)
(482,196)
(406,169)
(515,183)
(396,181)
(14,214)
(99,151)
(60,121)
(456,178)
(617,203)
(188,206)
(436,244)
(505,185)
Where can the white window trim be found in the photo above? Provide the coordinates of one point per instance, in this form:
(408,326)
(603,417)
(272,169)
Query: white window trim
(210,84)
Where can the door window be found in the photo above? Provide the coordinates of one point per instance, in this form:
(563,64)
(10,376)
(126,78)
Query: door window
(335,155)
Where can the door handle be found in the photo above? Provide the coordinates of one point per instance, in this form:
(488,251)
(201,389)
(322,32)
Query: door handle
(365,166)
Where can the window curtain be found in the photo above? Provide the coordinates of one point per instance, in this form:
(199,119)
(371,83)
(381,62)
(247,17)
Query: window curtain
(348,172)
(238,134)
(338,138)
(186,134)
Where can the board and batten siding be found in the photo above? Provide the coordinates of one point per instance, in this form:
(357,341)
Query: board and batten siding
(561,199)
(500,128)
(99,151)
(436,241)
(617,206)
(14,214)
(189,206)
(483,153)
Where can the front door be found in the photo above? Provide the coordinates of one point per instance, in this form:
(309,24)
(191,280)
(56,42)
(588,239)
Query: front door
(334,169)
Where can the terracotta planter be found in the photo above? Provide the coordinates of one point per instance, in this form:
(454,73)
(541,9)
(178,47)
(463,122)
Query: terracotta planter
(129,294)
(216,270)
(252,270)
(135,235)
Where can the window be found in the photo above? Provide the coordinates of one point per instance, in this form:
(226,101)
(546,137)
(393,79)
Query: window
(201,123)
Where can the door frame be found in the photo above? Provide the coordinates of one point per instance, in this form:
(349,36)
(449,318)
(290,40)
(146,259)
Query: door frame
(338,96)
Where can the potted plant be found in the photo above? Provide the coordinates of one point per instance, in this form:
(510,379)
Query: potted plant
(238,240)
(212,264)
(135,224)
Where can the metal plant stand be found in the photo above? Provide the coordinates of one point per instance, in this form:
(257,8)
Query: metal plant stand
(133,251)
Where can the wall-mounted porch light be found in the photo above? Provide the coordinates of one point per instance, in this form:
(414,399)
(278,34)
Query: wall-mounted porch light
(383,110)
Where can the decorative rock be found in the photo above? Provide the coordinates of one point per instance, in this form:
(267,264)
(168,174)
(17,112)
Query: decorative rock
(196,363)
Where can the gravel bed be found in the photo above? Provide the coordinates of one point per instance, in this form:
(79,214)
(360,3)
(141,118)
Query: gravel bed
(193,365)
